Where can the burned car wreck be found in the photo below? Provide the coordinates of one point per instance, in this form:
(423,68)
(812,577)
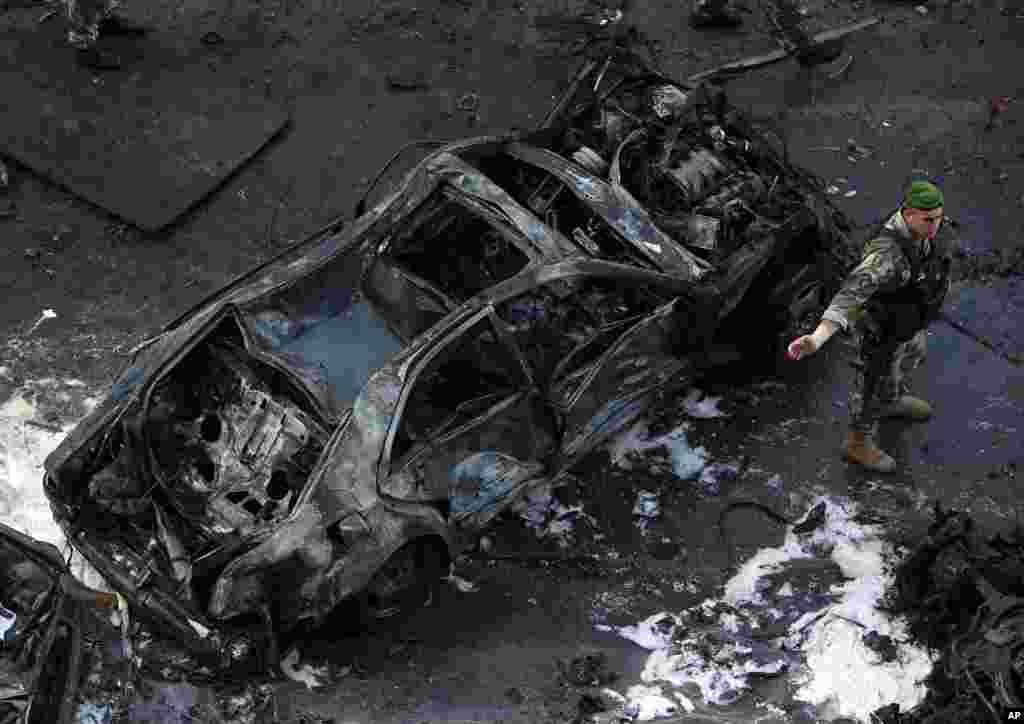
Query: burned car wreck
(338,423)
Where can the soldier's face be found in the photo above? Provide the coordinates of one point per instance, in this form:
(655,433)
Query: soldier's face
(923,223)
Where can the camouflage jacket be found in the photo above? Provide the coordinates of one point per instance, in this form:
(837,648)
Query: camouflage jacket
(883,268)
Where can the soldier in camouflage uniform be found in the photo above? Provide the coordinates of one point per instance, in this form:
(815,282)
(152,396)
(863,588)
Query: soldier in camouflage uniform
(887,302)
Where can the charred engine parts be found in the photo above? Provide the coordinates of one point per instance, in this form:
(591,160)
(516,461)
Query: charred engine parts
(589,159)
(744,186)
(698,174)
(703,231)
(670,102)
(238,456)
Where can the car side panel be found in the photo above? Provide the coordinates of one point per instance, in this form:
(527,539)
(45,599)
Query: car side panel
(616,387)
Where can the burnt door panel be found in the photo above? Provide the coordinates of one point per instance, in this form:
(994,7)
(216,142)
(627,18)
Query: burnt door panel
(613,391)
(481,465)
(472,425)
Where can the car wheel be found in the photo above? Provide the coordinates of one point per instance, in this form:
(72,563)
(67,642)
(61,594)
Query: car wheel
(407,581)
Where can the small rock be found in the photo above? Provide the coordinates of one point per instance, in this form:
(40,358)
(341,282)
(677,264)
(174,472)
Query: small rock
(589,669)
(921,10)
(409,77)
(469,102)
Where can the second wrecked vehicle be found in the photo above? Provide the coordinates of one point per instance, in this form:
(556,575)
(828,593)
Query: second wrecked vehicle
(342,420)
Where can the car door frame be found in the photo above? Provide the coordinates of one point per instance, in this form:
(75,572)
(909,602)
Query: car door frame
(567,457)
(387,466)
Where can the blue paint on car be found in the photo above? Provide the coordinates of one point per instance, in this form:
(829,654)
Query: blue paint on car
(128,382)
(586,187)
(526,310)
(488,475)
(275,330)
(535,233)
(632,225)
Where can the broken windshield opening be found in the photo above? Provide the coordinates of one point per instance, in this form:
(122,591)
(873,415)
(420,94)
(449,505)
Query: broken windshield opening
(575,318)
(326,331)
(456,250)
(473,373)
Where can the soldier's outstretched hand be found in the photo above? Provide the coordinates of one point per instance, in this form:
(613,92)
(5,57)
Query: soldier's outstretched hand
(802,347)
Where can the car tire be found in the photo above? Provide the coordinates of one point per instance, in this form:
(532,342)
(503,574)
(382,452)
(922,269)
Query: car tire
(408,580)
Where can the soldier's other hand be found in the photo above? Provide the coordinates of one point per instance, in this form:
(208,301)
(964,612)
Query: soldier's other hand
(802,347)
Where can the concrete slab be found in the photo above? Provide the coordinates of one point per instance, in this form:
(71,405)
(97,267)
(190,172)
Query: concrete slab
(138,142)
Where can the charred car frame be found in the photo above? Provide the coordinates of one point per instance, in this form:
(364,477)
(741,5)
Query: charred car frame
(339,422)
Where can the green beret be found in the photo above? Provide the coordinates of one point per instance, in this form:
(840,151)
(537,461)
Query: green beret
(923,195)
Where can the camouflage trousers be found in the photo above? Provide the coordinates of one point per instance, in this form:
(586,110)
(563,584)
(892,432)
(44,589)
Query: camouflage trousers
(880,377)
(84,18)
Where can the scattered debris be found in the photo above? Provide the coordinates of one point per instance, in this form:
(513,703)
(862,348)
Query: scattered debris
(807,608)
(646,505)
(409,76)
(996,108)
(644,703)
(548,517)
(587,669)
(856,151)
(697,404)
(461,584)
(961,593)
(7,621)
(47,314)
(313,677)
(468,102)
(687,462)
(7,207)
(714,474)
(89,713)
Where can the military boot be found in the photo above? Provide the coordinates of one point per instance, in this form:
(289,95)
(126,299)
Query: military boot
(861,449)
(909,408)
